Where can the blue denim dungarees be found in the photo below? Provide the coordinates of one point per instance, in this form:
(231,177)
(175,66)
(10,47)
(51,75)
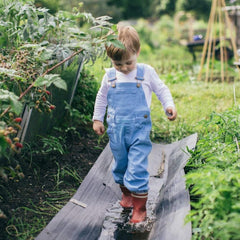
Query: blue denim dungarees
(129,125)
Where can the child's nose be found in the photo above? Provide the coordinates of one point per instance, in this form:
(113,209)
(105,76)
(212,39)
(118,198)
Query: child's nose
(124,67)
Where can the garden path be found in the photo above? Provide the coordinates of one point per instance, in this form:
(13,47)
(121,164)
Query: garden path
(87,214)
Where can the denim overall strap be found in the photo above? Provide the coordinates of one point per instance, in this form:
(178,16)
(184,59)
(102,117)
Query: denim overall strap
(111,73)
(140,72)
(112,76)
(129,125)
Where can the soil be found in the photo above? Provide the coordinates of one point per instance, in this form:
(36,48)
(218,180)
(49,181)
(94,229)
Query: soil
(43,178)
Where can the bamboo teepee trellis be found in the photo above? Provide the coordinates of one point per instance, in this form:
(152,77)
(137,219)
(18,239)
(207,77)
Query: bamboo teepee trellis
(218,15)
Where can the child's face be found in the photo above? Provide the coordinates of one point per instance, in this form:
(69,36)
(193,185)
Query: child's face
(126,65)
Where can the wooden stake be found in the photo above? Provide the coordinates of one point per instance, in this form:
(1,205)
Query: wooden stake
(214,45)
(229,25)
(221,40)
(207,38)
(210,41)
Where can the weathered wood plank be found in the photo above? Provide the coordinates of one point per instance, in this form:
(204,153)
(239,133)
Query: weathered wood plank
(75,222)
(174,201)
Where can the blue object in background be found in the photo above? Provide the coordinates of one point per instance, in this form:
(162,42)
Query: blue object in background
(197,37)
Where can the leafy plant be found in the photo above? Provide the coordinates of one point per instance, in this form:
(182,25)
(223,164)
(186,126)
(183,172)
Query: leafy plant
(52,144)
(64,173)
(213,177)
(34,44)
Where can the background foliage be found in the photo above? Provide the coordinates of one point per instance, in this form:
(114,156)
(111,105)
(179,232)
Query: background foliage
(126,9)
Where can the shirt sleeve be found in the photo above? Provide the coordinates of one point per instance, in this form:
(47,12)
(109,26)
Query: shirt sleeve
(101,101)
(161,90)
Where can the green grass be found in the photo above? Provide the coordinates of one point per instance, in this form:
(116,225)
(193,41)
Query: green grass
(194,101)
(29,221)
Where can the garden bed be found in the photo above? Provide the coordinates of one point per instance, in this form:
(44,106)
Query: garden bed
(49,182)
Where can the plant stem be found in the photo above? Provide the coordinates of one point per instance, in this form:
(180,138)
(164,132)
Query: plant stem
(5,111)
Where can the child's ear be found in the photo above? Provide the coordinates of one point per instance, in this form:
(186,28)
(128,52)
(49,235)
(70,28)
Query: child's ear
(138,52)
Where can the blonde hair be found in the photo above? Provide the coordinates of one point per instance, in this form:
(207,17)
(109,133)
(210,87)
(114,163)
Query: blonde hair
(128,36)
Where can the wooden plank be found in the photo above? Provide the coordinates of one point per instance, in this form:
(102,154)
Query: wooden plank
(174,201)
(116,220)
(168,201)
(99,191)
(173,206)
(76,222)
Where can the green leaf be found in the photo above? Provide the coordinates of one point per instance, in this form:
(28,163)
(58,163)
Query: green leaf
(117,43)
(60,83)
(29,45)
(114,27)
(11,99)
(46,54)
(50,79)
(40,81)
(15,104)
(111,37)
(10,72)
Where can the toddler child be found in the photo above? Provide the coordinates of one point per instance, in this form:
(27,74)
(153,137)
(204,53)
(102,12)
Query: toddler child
(126,92)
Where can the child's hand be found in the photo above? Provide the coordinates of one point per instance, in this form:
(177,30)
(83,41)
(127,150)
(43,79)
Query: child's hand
(98,127)
(171,112)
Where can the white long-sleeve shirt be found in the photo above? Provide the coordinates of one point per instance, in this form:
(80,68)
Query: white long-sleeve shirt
(151,83)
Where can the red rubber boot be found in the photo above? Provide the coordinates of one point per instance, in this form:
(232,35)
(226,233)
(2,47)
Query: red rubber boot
(126,201)
(139,208)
